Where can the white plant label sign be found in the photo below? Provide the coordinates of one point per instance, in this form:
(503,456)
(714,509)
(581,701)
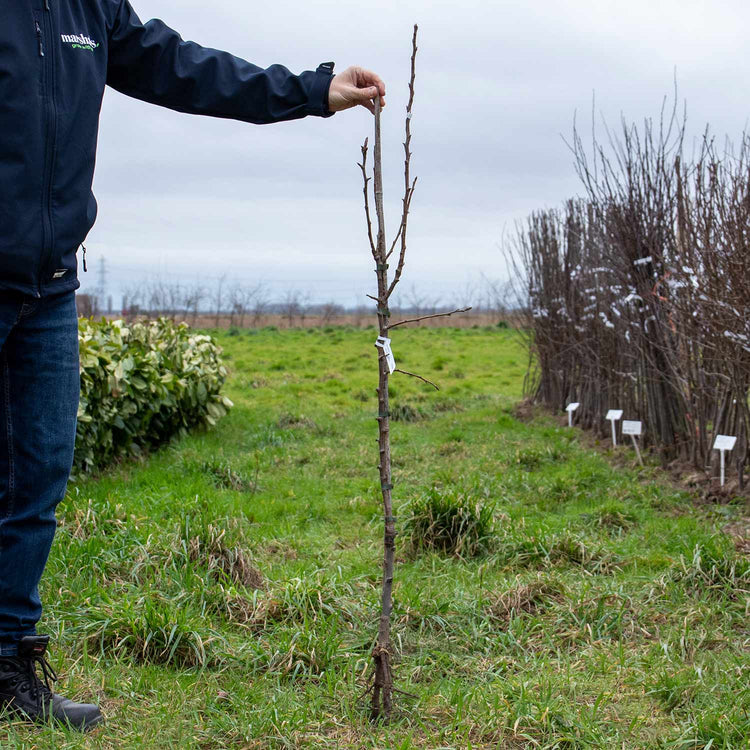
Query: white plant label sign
(634,428)
(631,427)
(570,408)
(724,443)
(613,415)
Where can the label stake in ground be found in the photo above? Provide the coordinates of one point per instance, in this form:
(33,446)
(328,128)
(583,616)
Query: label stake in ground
(724,443)
(613,415)
(570,408)
(634,429)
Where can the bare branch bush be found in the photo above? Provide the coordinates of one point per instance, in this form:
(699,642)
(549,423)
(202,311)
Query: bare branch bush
(638,297)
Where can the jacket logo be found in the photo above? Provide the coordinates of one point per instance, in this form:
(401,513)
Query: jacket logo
(79,41)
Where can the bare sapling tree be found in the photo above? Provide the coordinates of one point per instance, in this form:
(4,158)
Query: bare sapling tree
(218,298)
(328,311)
(194,296)
(382,689)
(176,296)
(259,306)
(293,305)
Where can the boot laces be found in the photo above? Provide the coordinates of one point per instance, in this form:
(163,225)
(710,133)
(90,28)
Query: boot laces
(40,688)
(27,678)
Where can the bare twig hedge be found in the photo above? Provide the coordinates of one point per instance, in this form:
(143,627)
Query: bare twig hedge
(638,295)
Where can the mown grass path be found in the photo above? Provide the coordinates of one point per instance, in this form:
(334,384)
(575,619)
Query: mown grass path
(224,593)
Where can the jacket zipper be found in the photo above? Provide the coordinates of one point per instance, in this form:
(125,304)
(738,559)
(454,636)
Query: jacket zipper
(39,41)
(48,89)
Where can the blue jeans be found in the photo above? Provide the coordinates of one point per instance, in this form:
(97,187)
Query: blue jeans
(39,386)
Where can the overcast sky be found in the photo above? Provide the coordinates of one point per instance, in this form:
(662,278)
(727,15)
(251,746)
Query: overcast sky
(498,84)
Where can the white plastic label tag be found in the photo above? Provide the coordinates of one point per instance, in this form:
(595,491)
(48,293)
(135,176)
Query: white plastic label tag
(724,442)
(614,414)
(631,427)
(572,407)
(385,344)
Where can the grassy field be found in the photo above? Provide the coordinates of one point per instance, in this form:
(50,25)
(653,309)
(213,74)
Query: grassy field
(224,593)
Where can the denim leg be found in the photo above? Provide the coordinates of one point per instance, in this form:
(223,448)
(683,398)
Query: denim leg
(10,309)
(39,387)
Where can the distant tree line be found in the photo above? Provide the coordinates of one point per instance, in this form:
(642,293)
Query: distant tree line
(222,303)
(637,297)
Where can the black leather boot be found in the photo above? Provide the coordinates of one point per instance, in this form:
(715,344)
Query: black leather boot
(24,693)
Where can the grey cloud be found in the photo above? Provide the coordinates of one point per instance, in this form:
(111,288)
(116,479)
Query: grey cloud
(498,83)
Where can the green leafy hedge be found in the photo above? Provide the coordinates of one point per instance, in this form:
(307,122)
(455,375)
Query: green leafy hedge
(141,385)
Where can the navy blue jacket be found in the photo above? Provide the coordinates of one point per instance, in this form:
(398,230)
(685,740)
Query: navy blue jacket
(56,56)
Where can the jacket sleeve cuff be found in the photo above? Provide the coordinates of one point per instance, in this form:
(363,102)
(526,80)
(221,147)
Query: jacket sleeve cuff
(321,83)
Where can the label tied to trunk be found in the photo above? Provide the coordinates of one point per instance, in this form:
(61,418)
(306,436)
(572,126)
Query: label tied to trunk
(385,344)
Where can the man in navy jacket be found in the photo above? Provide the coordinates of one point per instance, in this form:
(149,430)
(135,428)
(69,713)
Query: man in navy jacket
(56,56)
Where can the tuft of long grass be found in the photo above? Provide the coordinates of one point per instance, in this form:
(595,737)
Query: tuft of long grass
(151,630)
(716,572)
(449,522)
(530,598)
(209,548)
(291,421)
(674,690)
(614,518)
(316,596)
(224,476)
(407,412)
(545,550)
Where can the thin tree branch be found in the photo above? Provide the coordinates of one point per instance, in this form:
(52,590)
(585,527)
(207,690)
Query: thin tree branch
(366,180)
(419,377)
(408,185)
(401,227)
(379,252)
(425,317)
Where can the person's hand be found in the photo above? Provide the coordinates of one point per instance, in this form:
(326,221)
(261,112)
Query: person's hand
(355,86)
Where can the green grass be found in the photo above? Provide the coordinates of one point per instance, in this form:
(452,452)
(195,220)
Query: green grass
(224,593)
